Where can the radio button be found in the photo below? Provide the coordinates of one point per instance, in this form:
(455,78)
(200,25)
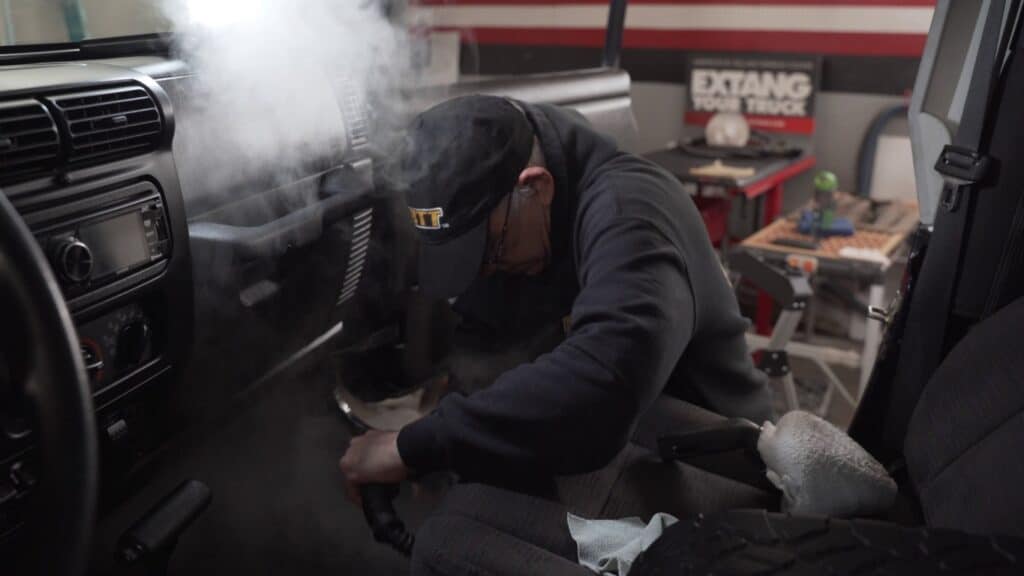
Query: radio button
(158,249)
(73,260)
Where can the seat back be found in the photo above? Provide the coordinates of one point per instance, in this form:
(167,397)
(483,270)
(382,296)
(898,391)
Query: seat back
(965,441)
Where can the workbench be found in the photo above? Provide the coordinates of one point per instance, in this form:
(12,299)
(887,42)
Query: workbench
(881,230)
(764,185)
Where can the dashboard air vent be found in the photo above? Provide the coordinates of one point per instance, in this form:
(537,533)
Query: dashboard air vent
(29,143)
(104,124)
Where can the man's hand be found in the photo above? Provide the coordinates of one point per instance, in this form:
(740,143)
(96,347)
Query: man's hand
(372,458)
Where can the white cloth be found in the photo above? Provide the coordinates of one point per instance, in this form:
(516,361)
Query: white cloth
(821,470)
(611,546)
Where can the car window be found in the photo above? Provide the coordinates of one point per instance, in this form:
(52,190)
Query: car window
(27,22)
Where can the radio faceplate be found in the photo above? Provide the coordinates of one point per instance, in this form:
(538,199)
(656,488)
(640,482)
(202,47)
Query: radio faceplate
(93,249)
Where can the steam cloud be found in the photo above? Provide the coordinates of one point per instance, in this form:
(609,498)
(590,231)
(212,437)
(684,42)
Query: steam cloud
(270,77)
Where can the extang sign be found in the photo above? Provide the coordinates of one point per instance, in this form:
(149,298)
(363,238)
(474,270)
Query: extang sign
(775,94)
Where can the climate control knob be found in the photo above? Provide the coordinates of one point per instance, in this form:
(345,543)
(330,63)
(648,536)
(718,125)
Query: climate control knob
(73,260)
(133,343)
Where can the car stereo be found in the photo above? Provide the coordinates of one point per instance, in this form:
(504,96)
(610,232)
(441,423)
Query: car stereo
(92,250)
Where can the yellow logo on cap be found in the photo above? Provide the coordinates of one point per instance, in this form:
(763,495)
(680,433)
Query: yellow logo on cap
(427,218)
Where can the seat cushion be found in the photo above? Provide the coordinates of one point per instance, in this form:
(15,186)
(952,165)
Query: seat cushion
(479,529)
(638,483)
(749,542)
(966,435)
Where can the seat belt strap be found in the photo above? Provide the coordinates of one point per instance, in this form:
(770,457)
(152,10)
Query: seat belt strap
(963,166)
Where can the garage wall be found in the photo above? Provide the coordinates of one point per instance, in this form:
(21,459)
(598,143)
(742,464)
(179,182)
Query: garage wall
(869,51)
(36,21)
(32,22)
(842,121)
(122,17)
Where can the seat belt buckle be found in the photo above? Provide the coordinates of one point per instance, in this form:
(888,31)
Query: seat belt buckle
(960,167)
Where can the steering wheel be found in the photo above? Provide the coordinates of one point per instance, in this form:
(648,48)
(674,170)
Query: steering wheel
(63,504)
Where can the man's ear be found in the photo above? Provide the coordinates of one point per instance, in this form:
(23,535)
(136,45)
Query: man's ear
(539,179)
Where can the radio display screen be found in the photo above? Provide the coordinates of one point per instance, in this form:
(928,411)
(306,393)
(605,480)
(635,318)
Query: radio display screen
(117,243)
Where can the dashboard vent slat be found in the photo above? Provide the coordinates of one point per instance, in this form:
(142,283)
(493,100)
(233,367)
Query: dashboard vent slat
(101,138)
(105,124)
(45,149)
(29,141)
(153,128)
(79,108)
(116,120)
(44,133)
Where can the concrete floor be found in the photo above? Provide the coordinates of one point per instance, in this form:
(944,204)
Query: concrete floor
(811,389)
(810,381)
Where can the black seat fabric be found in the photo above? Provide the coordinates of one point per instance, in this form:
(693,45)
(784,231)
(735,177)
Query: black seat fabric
(963,452)
(965,441)
(638,483)
(480,529)
(756,542)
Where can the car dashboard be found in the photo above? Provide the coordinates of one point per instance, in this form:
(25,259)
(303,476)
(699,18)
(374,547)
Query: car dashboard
(184,289)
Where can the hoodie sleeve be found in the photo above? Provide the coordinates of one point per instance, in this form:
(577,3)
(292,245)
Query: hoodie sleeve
(572,410)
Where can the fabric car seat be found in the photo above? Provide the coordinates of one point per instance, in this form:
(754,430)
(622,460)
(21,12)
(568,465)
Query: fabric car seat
(963,455)
(965,442)
(481,529)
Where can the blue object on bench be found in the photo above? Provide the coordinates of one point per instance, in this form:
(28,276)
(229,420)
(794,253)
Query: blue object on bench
(839,227)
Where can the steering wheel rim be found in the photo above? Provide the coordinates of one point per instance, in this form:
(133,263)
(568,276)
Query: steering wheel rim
(63,506)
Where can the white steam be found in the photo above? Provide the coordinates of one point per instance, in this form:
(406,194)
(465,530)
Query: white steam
(270,79)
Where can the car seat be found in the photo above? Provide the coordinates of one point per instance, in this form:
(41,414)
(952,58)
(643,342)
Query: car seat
(964,472)
(484,529)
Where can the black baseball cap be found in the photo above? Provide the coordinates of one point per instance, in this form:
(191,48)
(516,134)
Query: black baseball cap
(457,162)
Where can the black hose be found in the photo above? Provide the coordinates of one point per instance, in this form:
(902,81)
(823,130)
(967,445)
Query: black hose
(379,507)
(379,511)
(869,147)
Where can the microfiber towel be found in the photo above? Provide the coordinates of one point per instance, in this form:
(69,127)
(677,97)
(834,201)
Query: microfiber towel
(611,546)
(821,470)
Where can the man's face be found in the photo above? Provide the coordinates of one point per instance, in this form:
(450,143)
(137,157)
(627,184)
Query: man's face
(523,245)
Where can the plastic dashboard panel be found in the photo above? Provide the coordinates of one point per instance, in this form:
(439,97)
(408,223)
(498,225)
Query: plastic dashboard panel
(134,401)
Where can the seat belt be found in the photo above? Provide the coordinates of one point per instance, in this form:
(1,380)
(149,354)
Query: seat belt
(1008,284)
(964,165)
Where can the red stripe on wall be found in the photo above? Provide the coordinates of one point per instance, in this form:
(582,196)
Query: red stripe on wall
(855,44)
(763,123)
(681,2)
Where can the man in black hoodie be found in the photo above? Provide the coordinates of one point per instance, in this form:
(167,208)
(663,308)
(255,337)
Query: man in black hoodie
(534,223)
